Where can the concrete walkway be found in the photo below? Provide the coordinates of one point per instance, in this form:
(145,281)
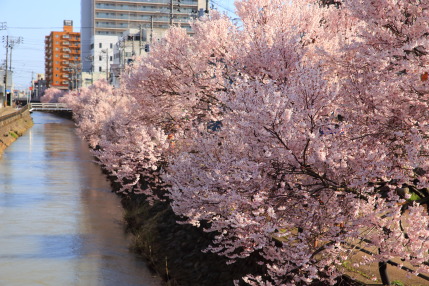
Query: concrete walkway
(7,110)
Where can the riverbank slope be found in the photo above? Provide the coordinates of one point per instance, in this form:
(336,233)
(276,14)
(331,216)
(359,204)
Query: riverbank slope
(13,126)
(176,251)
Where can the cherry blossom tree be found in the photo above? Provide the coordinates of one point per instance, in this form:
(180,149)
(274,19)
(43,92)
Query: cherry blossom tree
(172,91)
(52,95)
(324,116)
(177,84)
(92,107)
(384,74)
(275,181)
(133,152)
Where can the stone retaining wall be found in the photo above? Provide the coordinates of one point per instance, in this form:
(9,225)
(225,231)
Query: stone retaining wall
(12,126)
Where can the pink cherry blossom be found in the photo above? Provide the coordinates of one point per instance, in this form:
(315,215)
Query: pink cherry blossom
(321,116)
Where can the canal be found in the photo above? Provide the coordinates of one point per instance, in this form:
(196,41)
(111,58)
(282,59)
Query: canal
(60,222)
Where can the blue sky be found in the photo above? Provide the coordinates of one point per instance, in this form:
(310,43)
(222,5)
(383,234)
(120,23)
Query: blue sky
(33,20)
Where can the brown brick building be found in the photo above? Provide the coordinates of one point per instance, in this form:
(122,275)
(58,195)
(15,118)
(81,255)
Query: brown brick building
(62,58)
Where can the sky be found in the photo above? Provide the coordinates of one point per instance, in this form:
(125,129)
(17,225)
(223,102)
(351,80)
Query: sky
(33,20)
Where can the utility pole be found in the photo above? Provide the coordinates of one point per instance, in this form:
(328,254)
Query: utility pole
(76,71)
(6,41)
(32,86)
(36,96)
(107,65)
(151,28)
(10,58)
(132,47)
(6,69)
(10,43)
(171,14)
(106,51)
(3,26)
(140,39)
(75,77)
(91,59)
(123,52)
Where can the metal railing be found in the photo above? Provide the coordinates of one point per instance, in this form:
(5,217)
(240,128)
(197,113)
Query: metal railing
(49,107)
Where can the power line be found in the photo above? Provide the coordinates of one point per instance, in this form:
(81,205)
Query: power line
(44,28)
(222,6)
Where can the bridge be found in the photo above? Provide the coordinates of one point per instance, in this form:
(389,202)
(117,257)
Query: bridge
(49,107)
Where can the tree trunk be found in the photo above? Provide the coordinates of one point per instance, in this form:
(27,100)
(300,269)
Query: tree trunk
(382,267)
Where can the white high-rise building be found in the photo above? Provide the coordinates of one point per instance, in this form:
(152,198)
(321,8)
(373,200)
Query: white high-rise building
(104,21)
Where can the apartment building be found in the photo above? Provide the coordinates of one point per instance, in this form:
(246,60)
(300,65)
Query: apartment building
(38,87)
(104,21)
(62,57)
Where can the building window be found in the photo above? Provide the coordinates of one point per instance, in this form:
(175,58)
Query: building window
(92,46)
(100,45)
(99,69)
(111,58)
(111,45)
(100,58)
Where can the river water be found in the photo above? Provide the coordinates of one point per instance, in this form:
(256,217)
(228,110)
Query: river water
(60,224)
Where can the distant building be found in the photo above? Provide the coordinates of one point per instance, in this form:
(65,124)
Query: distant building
(89,78)
(104,21)
(38,86)
(62,57)
(132,43)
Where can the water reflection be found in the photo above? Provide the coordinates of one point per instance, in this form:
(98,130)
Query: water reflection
(12,200)
(65,246)
(61,225)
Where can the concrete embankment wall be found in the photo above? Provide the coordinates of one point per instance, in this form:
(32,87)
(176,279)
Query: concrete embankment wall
(13,124)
